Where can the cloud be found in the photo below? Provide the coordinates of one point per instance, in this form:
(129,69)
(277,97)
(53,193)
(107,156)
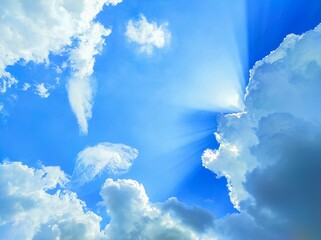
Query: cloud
(270,152)
(242,224)
(25,87)
(197,218)
(113,158)
(33,31)
(41,90)
(148,35)
(113,2)
(81,86)
(34,206)
(134,217)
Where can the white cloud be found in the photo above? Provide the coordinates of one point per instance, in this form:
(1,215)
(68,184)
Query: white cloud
(113,2)
(41,90)
(29,211)
(35,205)
(81,86)
(80,93)
(148,35)
(31,31)
(7,81)
(270,152)
(113,158)
(233,159)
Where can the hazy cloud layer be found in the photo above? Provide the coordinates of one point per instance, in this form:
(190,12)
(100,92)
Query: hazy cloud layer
(112,158)
(31,31)
(270,152)
(148,35)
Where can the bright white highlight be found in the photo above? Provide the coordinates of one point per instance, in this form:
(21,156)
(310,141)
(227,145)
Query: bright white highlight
(212,75)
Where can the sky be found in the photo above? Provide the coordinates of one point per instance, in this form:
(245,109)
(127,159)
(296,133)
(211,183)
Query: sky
(148,119)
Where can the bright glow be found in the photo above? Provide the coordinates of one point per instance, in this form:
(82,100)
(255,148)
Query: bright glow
(217,79)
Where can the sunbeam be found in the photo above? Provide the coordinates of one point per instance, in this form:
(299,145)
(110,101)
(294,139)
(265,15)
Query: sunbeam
(216,69)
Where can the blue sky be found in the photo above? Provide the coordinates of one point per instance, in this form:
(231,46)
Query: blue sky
(164,101)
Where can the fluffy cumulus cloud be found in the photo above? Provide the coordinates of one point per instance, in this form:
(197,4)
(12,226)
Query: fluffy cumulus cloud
(36,205)
(113,158)
(33,30)
(134,217)
(29,211)
(148,35)
(270,152)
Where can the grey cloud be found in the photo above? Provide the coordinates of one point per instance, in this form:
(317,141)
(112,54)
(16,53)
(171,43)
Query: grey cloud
(134,217)
(197,218)
(288,189)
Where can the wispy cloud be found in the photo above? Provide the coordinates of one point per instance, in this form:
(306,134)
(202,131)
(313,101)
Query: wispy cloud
(82,59)
(25,87)
(113,158)
(148,35)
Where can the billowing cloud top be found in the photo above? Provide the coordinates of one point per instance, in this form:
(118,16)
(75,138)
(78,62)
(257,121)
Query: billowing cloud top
(30,211)
(134,217)
(270,152)
(113,158)
(148,35)
(31,31)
